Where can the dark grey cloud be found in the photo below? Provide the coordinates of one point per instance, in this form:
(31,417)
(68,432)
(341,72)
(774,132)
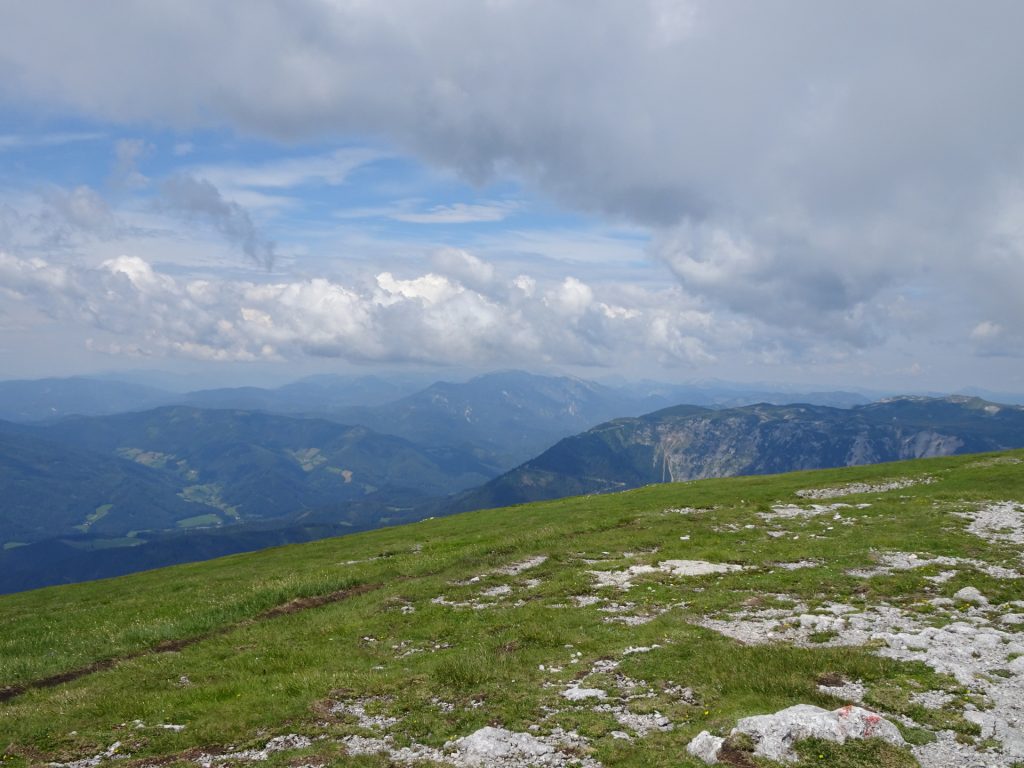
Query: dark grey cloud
(199,200)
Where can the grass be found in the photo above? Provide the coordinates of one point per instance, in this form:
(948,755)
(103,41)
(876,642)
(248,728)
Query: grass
(199,521)
(200,645)
(100,512)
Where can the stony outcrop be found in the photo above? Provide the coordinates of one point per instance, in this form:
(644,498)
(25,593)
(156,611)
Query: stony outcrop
(773,736)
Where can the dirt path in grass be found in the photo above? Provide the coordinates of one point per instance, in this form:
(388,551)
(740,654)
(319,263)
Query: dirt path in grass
(171,646)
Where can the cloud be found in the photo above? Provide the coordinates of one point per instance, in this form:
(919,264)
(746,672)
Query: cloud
(986,331)
(199,200)
(464,267)
(82,209)
(54,218)
(796,282)
(332,169)
(128,153)
(802,165)
(424,318)
(991,339)
(459,213)
(11,142)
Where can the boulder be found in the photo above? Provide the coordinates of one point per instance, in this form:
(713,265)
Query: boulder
(705,746)
(774,735)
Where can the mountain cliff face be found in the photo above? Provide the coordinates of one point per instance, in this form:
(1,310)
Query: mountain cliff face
(691,443)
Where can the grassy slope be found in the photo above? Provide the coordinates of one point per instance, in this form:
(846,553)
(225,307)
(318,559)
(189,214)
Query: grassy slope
(256,676)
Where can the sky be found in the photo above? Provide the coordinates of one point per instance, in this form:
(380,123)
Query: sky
(824,194)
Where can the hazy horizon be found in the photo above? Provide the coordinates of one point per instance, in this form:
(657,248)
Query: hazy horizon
(182,382)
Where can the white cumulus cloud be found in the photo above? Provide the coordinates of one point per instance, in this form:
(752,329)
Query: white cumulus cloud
(428,318)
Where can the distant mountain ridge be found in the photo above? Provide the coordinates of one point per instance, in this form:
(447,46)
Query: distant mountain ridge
(55,398)
(504,417)
(693,442)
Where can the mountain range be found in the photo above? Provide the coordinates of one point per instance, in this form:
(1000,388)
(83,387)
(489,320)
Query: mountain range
(86,496)
(504,418)
(691,442)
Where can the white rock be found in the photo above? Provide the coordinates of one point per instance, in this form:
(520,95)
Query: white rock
(860,723)
(575,693)
(517,568)
(623,579)
(971,595)
(497,746)
(705,746)
(498,591)
(696,567)
(775,735)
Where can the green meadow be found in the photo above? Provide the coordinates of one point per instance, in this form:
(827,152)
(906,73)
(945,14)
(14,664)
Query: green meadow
(445,626)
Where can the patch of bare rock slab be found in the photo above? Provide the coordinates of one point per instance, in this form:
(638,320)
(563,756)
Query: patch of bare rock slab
(773,736)
(623,579)
(489,746)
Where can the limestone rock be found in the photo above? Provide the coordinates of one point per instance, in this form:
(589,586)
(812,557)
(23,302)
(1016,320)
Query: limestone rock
(774,735)
(497,746)
(705,746)
(971,595)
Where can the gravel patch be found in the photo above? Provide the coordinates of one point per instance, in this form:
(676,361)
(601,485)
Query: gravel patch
(1002,522)
(793,511)
(110,753)
(852,488)
(357,709)
(410,755)
(797,565)
(497,747)
(932,699)
(284,743)
(623,579)
(846,691)
(890,562)
(517,568)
